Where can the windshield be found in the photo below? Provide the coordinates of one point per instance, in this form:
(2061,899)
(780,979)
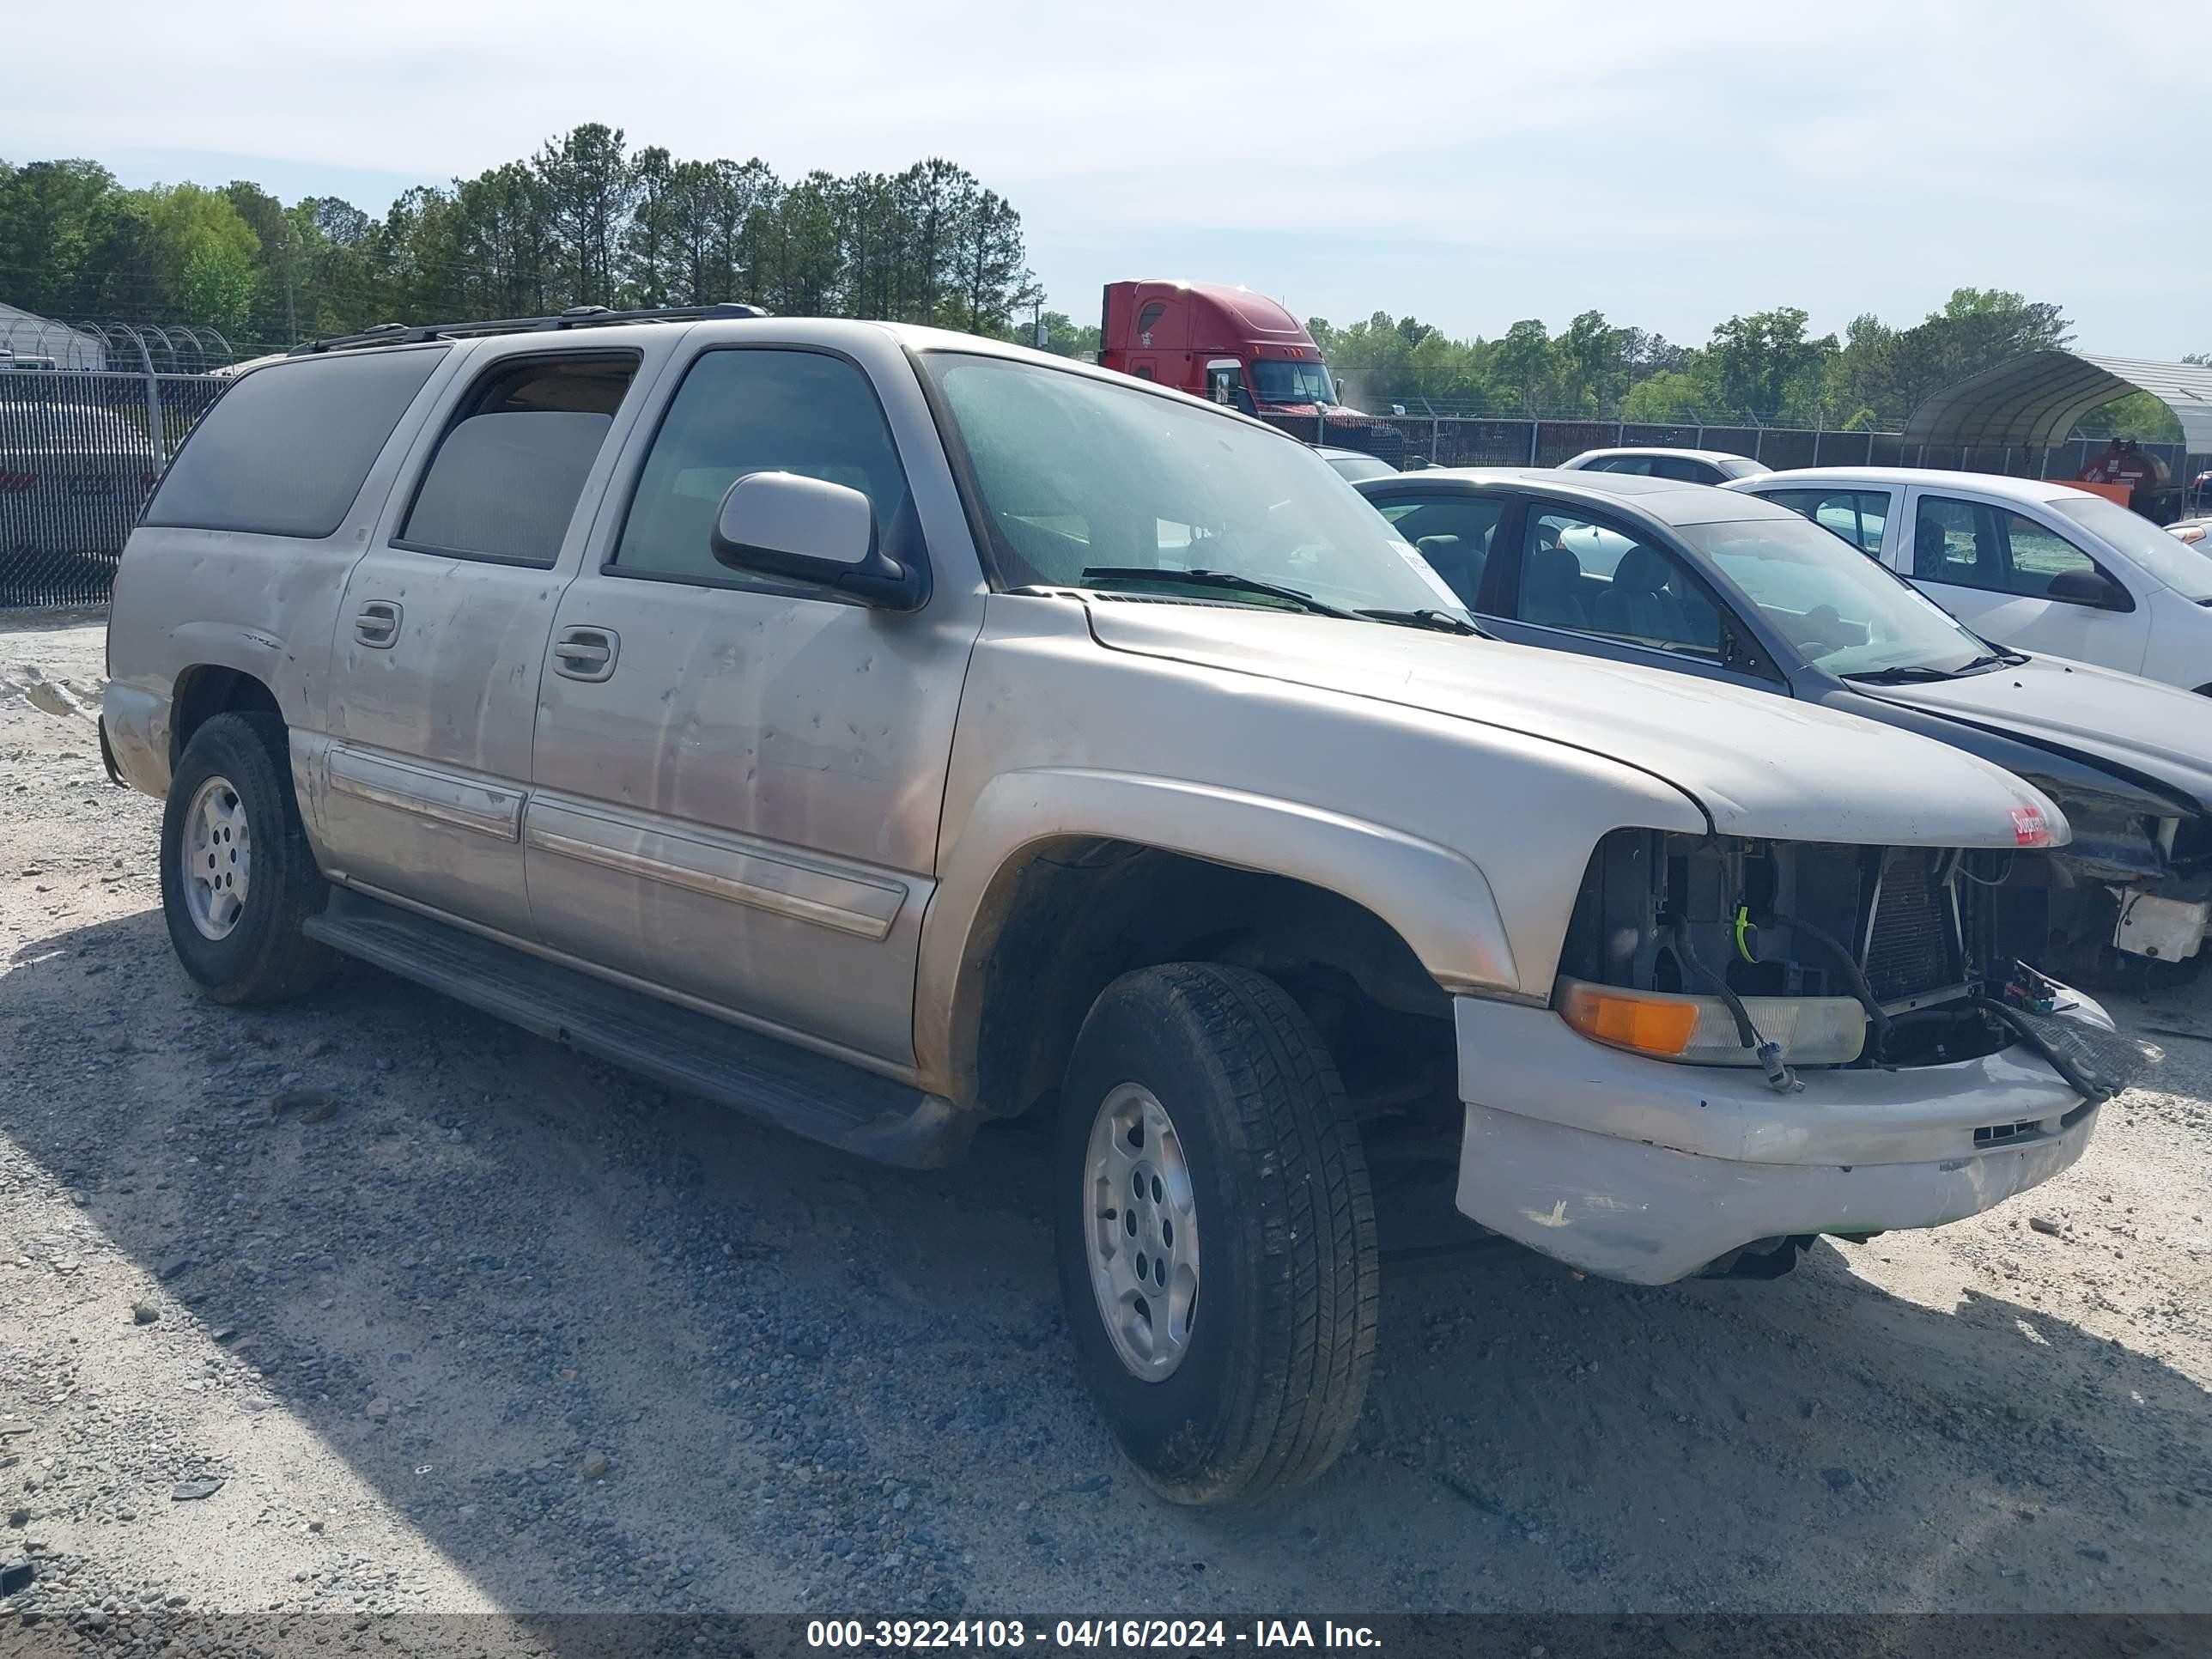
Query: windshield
(1079,474)
(1841,609)
(2166,558)
(1279,380)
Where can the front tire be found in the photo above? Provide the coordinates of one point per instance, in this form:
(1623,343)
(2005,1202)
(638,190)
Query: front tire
(1216,1233)
(238,877)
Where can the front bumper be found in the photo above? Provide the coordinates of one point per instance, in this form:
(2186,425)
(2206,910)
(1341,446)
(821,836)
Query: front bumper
(1641,1170)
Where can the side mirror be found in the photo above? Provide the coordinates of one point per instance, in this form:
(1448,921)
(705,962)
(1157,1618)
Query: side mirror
(811,531)
(2090,587)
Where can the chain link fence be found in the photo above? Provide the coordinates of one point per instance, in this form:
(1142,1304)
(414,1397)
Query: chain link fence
(80,450)
(1505,441)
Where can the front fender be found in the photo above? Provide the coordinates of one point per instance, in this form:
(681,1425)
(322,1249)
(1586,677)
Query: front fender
(1438,901)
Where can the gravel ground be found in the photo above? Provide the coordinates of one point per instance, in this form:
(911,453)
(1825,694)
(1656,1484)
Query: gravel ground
(498,1328)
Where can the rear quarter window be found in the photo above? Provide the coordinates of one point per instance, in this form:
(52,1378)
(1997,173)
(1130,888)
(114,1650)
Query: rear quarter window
(286,450)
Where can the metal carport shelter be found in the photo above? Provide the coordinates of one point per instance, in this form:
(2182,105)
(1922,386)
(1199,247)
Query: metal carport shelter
(2037,400)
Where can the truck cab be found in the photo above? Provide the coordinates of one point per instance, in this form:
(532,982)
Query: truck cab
(1231,346)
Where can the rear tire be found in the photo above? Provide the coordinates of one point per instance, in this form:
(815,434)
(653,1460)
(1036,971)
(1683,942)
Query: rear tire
(1234,1363)
(238,877)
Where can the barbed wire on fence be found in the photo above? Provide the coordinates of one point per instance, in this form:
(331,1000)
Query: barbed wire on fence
(29,341)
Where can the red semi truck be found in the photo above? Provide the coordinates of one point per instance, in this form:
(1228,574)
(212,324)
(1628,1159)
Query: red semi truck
(1238,348)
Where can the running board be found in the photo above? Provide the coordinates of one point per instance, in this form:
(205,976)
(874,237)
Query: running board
(794,1088)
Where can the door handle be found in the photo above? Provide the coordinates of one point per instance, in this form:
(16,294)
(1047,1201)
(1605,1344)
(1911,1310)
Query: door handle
(377,624)
(584,653)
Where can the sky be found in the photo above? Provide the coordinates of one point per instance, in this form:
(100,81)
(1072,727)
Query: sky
(1469,164)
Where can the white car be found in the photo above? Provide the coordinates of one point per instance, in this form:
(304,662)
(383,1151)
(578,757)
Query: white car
(1705,466)
(1353,464)
(2024,563)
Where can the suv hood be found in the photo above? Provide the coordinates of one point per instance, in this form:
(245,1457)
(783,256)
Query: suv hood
(2156,731)
(1757,764)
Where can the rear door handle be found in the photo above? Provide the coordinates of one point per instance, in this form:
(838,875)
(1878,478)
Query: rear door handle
(377,624)
(584,653)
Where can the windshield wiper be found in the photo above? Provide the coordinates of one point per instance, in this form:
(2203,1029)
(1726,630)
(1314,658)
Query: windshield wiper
(1912,672)
(1222,582)
(1442,621)
(1902,674)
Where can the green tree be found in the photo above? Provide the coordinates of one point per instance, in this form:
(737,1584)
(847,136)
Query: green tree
(992,270)
(584,220)
(1672,395)
(2139,416)
(933,198)
(1892,371)
(274,308)
(1593,361)
(55,217)
(504,241)
(216,288)
(653,242)
(1525,366)
(1764,366)
(1063,335)
(589,190)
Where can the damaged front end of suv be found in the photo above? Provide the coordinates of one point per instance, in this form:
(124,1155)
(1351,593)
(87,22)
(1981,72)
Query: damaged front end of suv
(1718,951)
(1754,1043)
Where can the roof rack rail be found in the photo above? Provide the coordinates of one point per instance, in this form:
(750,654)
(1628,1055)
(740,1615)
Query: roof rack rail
(574,317)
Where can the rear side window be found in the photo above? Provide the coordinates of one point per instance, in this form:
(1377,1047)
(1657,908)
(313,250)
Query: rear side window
(506,477)
(1859,516)
(1453,533)
(284,452)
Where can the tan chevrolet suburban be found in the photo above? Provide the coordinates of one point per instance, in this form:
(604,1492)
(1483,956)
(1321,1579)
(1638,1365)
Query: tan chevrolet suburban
(885,731)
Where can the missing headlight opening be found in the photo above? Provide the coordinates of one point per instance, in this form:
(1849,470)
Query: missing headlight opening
(1835,955)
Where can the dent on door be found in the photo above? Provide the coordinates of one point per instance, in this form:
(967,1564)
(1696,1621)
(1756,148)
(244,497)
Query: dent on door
(422,784)
(744,811)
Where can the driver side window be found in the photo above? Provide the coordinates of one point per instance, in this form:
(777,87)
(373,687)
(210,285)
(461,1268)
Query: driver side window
(751,410)
(1979,545)
(1579,574)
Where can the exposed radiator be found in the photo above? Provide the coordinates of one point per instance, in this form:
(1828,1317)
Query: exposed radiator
(1911,948)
